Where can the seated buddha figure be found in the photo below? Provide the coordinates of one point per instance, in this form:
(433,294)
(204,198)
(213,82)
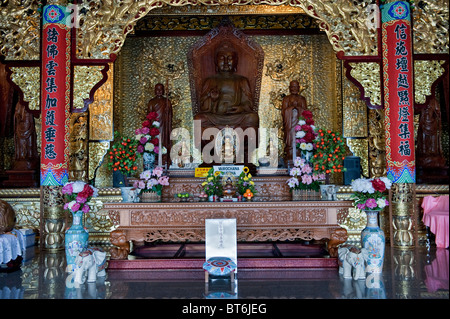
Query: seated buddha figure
(225,98)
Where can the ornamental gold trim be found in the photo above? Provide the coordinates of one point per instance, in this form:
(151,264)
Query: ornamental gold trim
(85,77)
(28,79)
(426,73)
(368,75)
(105,26)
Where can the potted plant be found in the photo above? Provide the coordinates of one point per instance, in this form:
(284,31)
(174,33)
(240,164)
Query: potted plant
(149,143)
(329,154)
(150,184)
(122,157)
(304,183)
(245,183)
(213,185)
(369,195)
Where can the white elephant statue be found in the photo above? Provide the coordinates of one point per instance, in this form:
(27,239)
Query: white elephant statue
(90,263)
(352,261)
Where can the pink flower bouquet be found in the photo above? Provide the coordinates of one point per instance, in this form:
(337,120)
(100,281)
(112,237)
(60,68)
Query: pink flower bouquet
(78,196)
(148,135)
(305,133)
(152,181)
(369,193)
(303,176)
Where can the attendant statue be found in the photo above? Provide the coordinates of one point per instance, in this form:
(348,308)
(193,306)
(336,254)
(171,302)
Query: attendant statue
(163,107)
(226,98)
(25,146)
(429,148)
(292,107)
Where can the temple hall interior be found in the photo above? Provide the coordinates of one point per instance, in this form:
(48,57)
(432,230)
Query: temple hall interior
(193,150)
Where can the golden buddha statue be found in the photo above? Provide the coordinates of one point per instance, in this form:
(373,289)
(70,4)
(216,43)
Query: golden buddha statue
(226,98)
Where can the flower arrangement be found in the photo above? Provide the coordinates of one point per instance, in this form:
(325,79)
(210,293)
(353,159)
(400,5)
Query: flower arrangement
(303,176)
(78,196)
(330,151)
(245,182)
(248,195)
(122,154)
(148,135)
(152,181)
(213,183)
(368,193)
(305,132)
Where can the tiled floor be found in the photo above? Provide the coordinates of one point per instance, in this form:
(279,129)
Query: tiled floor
(407,274)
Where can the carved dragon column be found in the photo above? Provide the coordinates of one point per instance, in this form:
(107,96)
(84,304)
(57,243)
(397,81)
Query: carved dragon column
(55,109)
(399,117)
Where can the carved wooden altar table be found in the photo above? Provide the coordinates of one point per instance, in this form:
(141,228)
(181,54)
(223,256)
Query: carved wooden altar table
(256,221)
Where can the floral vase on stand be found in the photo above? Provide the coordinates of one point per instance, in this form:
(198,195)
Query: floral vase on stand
(374,241)
(76,240)
(149,161)
(369,196)
(78,197)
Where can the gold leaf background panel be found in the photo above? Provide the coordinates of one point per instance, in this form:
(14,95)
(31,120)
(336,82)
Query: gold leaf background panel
(144,62)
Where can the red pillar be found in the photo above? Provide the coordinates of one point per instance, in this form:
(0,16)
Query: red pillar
(398,91)
(55,94)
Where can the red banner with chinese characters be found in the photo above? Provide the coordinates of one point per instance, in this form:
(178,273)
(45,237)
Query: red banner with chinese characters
(55,96)
(398,91)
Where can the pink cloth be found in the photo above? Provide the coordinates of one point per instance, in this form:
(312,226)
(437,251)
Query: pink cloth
(437,271)
(435,216)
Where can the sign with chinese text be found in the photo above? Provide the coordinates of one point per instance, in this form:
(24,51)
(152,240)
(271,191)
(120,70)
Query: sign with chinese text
(55,96)
(398,91)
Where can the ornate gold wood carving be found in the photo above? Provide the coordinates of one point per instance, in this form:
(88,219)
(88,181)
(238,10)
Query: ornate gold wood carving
(431,27)
(78,147)
(354,111)
(28,79)
(426,72)
(165,20)
(101,110)
(368,75)
(105,25)
(377,148)
(20,29)
(97,150)
(85,78)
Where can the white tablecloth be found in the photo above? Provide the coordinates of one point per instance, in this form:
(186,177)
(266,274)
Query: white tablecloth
(12,245)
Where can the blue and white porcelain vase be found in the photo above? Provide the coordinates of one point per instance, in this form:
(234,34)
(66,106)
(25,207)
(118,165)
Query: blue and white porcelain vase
(149,161)
(373,239)
(76,240)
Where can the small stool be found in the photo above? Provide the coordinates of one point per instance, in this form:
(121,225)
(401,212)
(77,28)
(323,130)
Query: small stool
(219,266)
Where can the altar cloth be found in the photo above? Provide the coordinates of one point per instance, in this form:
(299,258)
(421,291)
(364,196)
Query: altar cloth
(435,216)
(437,272)
(12,245)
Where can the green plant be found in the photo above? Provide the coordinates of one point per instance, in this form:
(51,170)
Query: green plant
(213,183)
(245,182)
(330,152)
(122,154)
